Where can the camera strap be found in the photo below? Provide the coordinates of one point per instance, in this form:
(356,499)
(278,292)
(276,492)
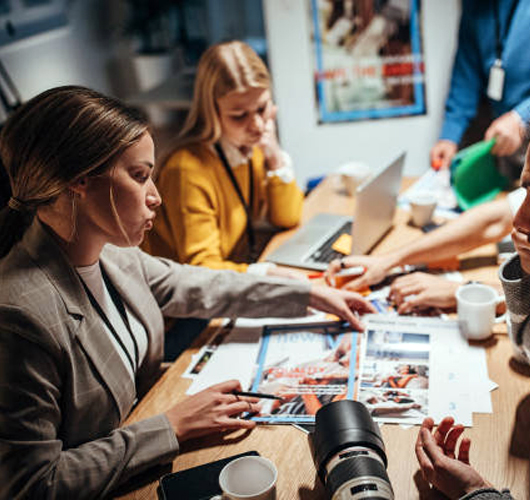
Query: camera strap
(118,302)
(251,237)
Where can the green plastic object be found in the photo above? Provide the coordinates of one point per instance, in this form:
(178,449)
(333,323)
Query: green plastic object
(474,175)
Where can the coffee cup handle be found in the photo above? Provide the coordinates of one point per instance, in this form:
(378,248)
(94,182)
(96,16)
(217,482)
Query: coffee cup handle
(502,317)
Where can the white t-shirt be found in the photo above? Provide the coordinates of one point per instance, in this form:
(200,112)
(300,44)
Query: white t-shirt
(93,279)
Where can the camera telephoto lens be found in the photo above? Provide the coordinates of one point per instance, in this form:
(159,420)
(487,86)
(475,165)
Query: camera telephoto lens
(349,453)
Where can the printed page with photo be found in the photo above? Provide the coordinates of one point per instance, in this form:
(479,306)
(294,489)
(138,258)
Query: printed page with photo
(308,366)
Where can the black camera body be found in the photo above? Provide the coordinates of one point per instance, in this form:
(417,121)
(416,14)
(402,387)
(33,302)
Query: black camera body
(349,453)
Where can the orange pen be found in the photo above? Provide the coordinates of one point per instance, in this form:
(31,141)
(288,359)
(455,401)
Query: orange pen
(436,164)
(345,275)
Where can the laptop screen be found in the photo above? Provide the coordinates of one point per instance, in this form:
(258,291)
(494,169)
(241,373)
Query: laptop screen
(376,202)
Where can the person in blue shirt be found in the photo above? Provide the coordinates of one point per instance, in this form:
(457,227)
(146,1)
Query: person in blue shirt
(492,64)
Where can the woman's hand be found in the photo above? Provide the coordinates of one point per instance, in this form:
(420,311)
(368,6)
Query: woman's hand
(269,140)
(442,466)
(418,290)
(377,269)
(342,303)
(212,410)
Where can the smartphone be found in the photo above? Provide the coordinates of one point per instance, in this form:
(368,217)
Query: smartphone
(197,483)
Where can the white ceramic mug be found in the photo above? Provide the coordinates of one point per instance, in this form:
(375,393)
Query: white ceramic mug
(476,305)
(422,207)
(248,478)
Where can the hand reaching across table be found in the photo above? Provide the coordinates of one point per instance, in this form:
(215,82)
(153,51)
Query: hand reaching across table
(377,269)
(422,290)
(342,303)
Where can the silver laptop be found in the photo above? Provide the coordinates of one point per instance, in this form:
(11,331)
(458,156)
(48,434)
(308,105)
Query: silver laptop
(376,201)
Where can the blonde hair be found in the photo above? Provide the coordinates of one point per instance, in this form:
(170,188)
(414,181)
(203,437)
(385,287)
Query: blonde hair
(55,139)
(223,68)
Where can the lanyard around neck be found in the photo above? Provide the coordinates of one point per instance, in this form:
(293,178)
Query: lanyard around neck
(501,37)
(118,302)
(248,207)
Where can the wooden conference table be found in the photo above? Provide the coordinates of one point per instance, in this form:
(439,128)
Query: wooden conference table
(288,447)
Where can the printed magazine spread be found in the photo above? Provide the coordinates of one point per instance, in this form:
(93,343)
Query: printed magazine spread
(395,375)
(314,364)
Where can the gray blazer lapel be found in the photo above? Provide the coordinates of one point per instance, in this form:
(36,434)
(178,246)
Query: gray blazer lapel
(91,332)
(130,290)
(139,298)
(95,341)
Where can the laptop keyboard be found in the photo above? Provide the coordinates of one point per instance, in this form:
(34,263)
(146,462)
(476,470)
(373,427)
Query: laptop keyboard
(325,253)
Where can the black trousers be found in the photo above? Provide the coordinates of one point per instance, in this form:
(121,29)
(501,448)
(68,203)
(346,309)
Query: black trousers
(180,335)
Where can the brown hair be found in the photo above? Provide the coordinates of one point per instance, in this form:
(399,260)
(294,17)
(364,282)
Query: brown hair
(223,68)
(55,139)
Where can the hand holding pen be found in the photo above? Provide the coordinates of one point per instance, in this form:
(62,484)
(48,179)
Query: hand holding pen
(366,270)
(350,273)
(215,409)
(375,268)
(259,395)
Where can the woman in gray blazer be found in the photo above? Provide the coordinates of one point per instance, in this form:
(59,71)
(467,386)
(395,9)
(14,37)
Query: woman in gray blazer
(81,307)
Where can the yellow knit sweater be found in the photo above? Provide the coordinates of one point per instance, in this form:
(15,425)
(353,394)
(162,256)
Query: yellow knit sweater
(202,219)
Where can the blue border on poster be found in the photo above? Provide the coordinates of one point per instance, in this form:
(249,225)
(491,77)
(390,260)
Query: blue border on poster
(418,108)
(268,330)
(23,19)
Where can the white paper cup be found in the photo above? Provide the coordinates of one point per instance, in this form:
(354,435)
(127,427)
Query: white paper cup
(349,183)
(422,207)
(476,305)
(351,175)
(248,478)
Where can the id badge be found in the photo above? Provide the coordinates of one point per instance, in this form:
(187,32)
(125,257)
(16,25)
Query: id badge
(496,81)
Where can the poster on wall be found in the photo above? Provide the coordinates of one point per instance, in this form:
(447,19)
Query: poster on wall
(368,59)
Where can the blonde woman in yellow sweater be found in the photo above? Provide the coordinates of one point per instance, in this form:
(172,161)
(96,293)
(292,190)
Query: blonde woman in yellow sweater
(228,173)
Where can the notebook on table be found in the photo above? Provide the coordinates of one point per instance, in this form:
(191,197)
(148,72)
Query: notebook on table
(376,201)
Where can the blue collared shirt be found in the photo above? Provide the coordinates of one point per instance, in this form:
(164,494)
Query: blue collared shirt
(476,54)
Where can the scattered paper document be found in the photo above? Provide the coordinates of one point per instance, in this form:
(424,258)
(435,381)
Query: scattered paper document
(200,359)
(403,368)
(437,183)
